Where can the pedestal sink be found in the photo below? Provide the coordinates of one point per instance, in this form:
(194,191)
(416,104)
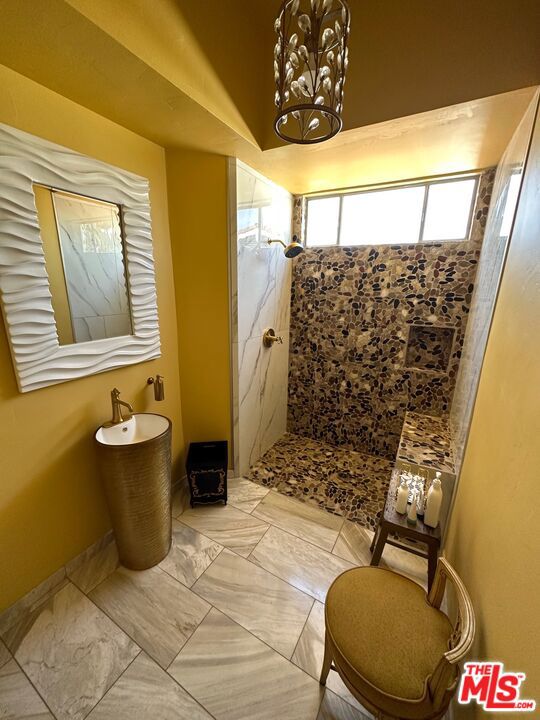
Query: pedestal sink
(135,464)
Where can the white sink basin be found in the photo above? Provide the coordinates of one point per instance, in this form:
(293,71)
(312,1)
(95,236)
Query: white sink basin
(138,429)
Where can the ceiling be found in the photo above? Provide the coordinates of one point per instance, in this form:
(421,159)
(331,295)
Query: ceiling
(199,75)
(467,136)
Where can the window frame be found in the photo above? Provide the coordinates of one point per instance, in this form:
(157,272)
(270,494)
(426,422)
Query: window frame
(426,184)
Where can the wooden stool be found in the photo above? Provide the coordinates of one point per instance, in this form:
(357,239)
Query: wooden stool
(393,523)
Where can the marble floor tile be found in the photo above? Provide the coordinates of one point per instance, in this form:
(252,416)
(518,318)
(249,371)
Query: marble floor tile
(334,708)
(309,654)
(87,572)
(190,554)
(146,691)
(5,655)
(180,498)
(244,494)
(227,525)
(237,677)
(413,566)
(20,609)
(265,605)
(18,699)
(71,652)
(305,521)
(353,543)
(300,563)
(158,612)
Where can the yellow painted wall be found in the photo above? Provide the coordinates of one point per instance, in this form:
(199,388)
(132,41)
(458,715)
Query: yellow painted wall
(494,536)
(51,502)
(197,186)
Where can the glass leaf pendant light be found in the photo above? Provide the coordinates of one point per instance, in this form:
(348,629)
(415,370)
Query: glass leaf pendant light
(310,62)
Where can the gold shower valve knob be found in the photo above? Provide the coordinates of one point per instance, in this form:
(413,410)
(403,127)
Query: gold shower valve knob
(270,337)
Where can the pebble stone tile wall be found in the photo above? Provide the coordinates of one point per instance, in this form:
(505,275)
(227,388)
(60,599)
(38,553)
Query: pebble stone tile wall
(353,373)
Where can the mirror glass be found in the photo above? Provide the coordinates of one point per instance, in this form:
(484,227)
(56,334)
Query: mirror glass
(84,256)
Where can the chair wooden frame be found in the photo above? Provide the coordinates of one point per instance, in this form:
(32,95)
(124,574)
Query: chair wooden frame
(441,685)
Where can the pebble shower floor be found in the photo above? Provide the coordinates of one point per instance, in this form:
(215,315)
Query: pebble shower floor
(344,482)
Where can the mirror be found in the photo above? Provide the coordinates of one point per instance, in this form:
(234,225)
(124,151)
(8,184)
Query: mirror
(83,246)
(77,281)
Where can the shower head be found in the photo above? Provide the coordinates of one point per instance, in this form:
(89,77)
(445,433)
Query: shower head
(292,249)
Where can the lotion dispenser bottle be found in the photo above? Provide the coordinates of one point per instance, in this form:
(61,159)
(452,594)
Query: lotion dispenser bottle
(421,506)
(402,495)
(411,514)
(434,502)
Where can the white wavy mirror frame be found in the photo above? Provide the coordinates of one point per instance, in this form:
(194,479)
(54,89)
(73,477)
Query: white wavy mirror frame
(38,357)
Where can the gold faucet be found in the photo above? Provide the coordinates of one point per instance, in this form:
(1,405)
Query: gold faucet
(117,416)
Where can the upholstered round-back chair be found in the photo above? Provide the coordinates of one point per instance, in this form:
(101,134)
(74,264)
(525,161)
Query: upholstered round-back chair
(392,645)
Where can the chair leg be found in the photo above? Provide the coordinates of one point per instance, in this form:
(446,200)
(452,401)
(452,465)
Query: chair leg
(327,662)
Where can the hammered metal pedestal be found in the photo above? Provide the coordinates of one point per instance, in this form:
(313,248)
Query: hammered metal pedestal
(137,482)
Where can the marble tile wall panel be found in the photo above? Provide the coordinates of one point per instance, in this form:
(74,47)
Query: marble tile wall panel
(250,353)
(498,224)
(261,282)
(351,312)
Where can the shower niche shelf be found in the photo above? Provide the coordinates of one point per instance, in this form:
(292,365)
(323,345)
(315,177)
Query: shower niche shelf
(429,348)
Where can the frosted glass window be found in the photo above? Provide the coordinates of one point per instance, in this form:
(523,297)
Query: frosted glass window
(322,221)
(436,211)
(386,217)
(448,211)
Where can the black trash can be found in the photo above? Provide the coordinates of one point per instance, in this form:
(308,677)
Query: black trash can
(206,468)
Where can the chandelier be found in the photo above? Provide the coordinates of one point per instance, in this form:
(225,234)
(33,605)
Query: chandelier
(310,61)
